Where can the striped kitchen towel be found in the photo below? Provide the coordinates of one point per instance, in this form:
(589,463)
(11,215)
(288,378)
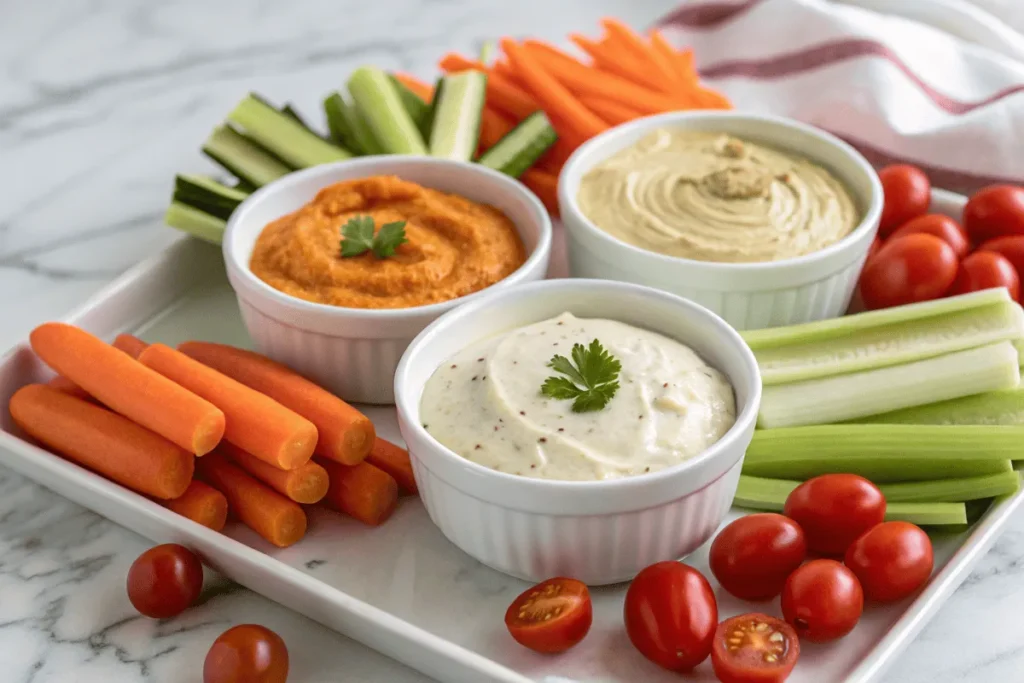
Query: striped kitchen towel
(897,89)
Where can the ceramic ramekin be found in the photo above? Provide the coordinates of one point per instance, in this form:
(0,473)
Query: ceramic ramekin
(352,351)
(746,295)
(599,532)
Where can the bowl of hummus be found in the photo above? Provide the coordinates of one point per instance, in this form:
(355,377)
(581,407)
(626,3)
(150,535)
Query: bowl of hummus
(575,427)
(765,220)
(337,267)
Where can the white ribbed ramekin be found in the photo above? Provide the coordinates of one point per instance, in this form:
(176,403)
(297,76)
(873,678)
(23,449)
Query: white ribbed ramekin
(353,351)
(599,532)
(746,295)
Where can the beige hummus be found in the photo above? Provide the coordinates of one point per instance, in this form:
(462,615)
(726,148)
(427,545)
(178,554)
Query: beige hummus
(713,197)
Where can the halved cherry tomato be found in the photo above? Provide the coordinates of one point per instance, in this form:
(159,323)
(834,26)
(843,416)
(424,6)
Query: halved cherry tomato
(943,227)
(822,600)
(552,616)
(834,509)
(908,192)
(754,648)
(753,556)
(1010,247)
(247,654)
(906,270)
(891,560)
(671,615)
(995,211)
(986,270)
(165,580)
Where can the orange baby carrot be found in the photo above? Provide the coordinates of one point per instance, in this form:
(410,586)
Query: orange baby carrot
(254,422)
(130,388)
(133,346)
(61,383)
(201,503)
(544,185)
(306,484)
(361,491)
(265,511)
(346,435)
(660,65)
(395,461)
(502,92)
(103,441)
(425,92)
(493,127)
(612,111)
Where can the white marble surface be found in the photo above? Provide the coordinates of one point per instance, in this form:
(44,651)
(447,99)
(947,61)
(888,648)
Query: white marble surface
(101,101)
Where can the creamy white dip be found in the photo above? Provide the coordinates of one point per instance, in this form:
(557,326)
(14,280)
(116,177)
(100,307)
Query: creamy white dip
(485,404)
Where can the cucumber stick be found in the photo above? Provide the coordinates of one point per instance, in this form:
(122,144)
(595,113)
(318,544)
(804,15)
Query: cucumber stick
(346,128)
(195,222)
(380,105)
(520,148)
(243,158)
(286,138)
(418,110)
(455,116)
(207,195)
(991,408)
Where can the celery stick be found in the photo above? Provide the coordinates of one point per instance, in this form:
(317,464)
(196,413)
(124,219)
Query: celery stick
(486,51)
(195,222)
(893,344)
(881,470)
(761,493)
(992,408)
(870,392)
(837,327)
(378,102)
(937,442)
(952,490)
(283,136)
(1019,345)
(927,514)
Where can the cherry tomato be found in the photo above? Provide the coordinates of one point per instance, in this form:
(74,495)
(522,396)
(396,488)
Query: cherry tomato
(247,654)
(995,211)
(552,616)
(908,192)
(891,560)
(753,556)
(985,270)
(754,648)
(165,581)
(908,269)
(876,244)
(822,600)
(1010,247)
(834,509)
(943,227)
(671,615)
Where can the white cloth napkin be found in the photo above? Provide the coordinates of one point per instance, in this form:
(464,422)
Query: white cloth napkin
(897,89)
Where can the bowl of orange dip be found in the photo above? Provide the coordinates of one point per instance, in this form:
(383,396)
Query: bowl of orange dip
(424,235)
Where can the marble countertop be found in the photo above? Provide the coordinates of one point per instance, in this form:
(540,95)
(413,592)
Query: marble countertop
(103,101)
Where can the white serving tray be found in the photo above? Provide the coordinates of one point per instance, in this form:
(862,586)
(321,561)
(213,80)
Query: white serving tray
(403,589)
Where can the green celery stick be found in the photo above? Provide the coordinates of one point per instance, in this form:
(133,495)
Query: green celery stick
(952,490)
(991,408)
(380,105)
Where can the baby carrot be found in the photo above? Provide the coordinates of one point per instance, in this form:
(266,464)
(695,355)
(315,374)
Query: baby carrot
(425,92)
(130,388)
(265,511)
(361,491)
(544,185)
(493,127)
(659,64)
(254,422)
(621,63)
(395,461)
(133,346)
(103,441)
(201,503)
(305,484)
(612,111)
(502,92)
(681,67)
(61,383)
(346,435)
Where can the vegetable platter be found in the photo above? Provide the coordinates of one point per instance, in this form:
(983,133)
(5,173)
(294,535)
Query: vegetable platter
(403,589)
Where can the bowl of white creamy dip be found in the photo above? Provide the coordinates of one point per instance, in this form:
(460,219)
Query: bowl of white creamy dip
(529,460)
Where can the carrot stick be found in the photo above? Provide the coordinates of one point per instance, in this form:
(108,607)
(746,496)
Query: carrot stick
(201,503)
(265,511)
(501,92)
(361,491)
(255,423)
(681,66)
(504,69)
(130,388)
(612,111)
(544,185)
(493,127)
(346,435)
(550,93)
(621,63)
(306,484)
(395,461)
(133,346)
(425,92)
(61,383)
(658,64)
(103,441)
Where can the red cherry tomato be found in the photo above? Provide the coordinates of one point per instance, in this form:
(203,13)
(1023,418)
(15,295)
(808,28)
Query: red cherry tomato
(834,509)
(247,654)
(908,192)
(1010,247)
(822,600)
(671,615)
(985,270)
(995,211)
(754,648)
(891,560)
(753,556)
(943,227)
(876,244)
(552,616)
(165,581)
(906,270)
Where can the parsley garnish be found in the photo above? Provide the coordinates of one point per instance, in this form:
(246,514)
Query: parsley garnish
(359,238)
(591,377)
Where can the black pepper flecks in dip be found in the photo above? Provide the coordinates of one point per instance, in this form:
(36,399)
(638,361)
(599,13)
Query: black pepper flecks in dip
(542,440)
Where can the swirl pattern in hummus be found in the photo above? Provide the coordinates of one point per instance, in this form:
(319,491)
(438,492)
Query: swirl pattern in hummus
(712,197)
